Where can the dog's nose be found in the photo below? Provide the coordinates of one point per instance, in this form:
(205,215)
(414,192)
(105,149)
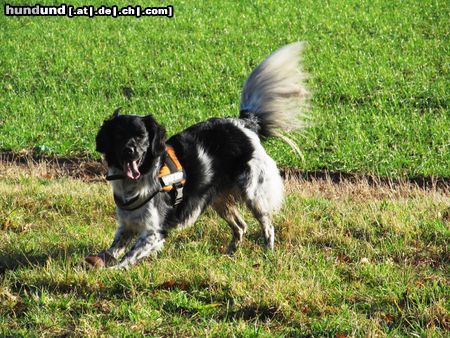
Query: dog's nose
(129,151)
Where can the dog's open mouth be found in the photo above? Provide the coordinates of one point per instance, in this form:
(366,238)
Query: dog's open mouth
(131,169)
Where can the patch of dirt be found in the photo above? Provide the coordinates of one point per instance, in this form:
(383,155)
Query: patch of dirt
(336,177)
(46,166)
(88,169)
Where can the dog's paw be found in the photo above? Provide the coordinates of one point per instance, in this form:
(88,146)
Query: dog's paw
(95,261)
(100,260)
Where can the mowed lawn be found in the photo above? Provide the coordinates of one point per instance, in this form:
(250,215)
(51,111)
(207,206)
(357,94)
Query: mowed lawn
(351,259)
(379,74)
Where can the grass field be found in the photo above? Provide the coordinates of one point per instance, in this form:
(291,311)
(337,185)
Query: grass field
(351,260)
(379,73)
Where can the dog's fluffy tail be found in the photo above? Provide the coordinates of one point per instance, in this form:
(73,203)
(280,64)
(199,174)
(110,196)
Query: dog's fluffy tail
(275,94)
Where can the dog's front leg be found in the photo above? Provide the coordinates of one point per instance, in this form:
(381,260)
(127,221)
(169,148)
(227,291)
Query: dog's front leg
(148,243)
(122,240)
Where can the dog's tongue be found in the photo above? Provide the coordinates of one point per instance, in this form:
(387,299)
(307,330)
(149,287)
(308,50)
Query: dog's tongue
(131,170)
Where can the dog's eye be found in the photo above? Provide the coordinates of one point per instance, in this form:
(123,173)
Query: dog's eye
(140,138)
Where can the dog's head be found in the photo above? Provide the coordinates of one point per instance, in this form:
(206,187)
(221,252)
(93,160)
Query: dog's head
(131,143)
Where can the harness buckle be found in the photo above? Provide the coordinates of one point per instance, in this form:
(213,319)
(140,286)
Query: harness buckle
(177,193)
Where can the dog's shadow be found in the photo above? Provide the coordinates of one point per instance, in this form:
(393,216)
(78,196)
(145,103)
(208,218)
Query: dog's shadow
(13,260)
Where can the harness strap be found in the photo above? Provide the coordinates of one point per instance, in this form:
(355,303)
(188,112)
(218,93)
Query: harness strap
(114,177)
(126,205)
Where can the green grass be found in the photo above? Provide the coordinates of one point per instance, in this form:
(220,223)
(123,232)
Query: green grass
(379,69)
(350,259)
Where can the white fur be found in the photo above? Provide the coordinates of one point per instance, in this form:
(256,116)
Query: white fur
(275,90)
(141,219)
(192,218)
(143,223)
(206,163)
(267,195)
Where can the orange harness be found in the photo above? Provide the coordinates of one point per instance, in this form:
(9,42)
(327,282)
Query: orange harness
(171,174)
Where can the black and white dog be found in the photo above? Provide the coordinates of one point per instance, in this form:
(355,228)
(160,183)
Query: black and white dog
(217,163)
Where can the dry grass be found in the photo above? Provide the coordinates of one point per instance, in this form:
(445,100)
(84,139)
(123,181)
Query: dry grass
(363,189)
(353,258)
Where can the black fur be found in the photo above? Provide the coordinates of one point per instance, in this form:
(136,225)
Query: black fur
(120,131)
(229,150)
(228,147)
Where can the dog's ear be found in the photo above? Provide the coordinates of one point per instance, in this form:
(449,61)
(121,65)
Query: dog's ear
(157,135)
(116,113)
(103,138)
(104,134)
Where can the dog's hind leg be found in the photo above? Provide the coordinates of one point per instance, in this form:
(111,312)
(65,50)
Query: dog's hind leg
(265,219)
(264,196)
(228,211)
